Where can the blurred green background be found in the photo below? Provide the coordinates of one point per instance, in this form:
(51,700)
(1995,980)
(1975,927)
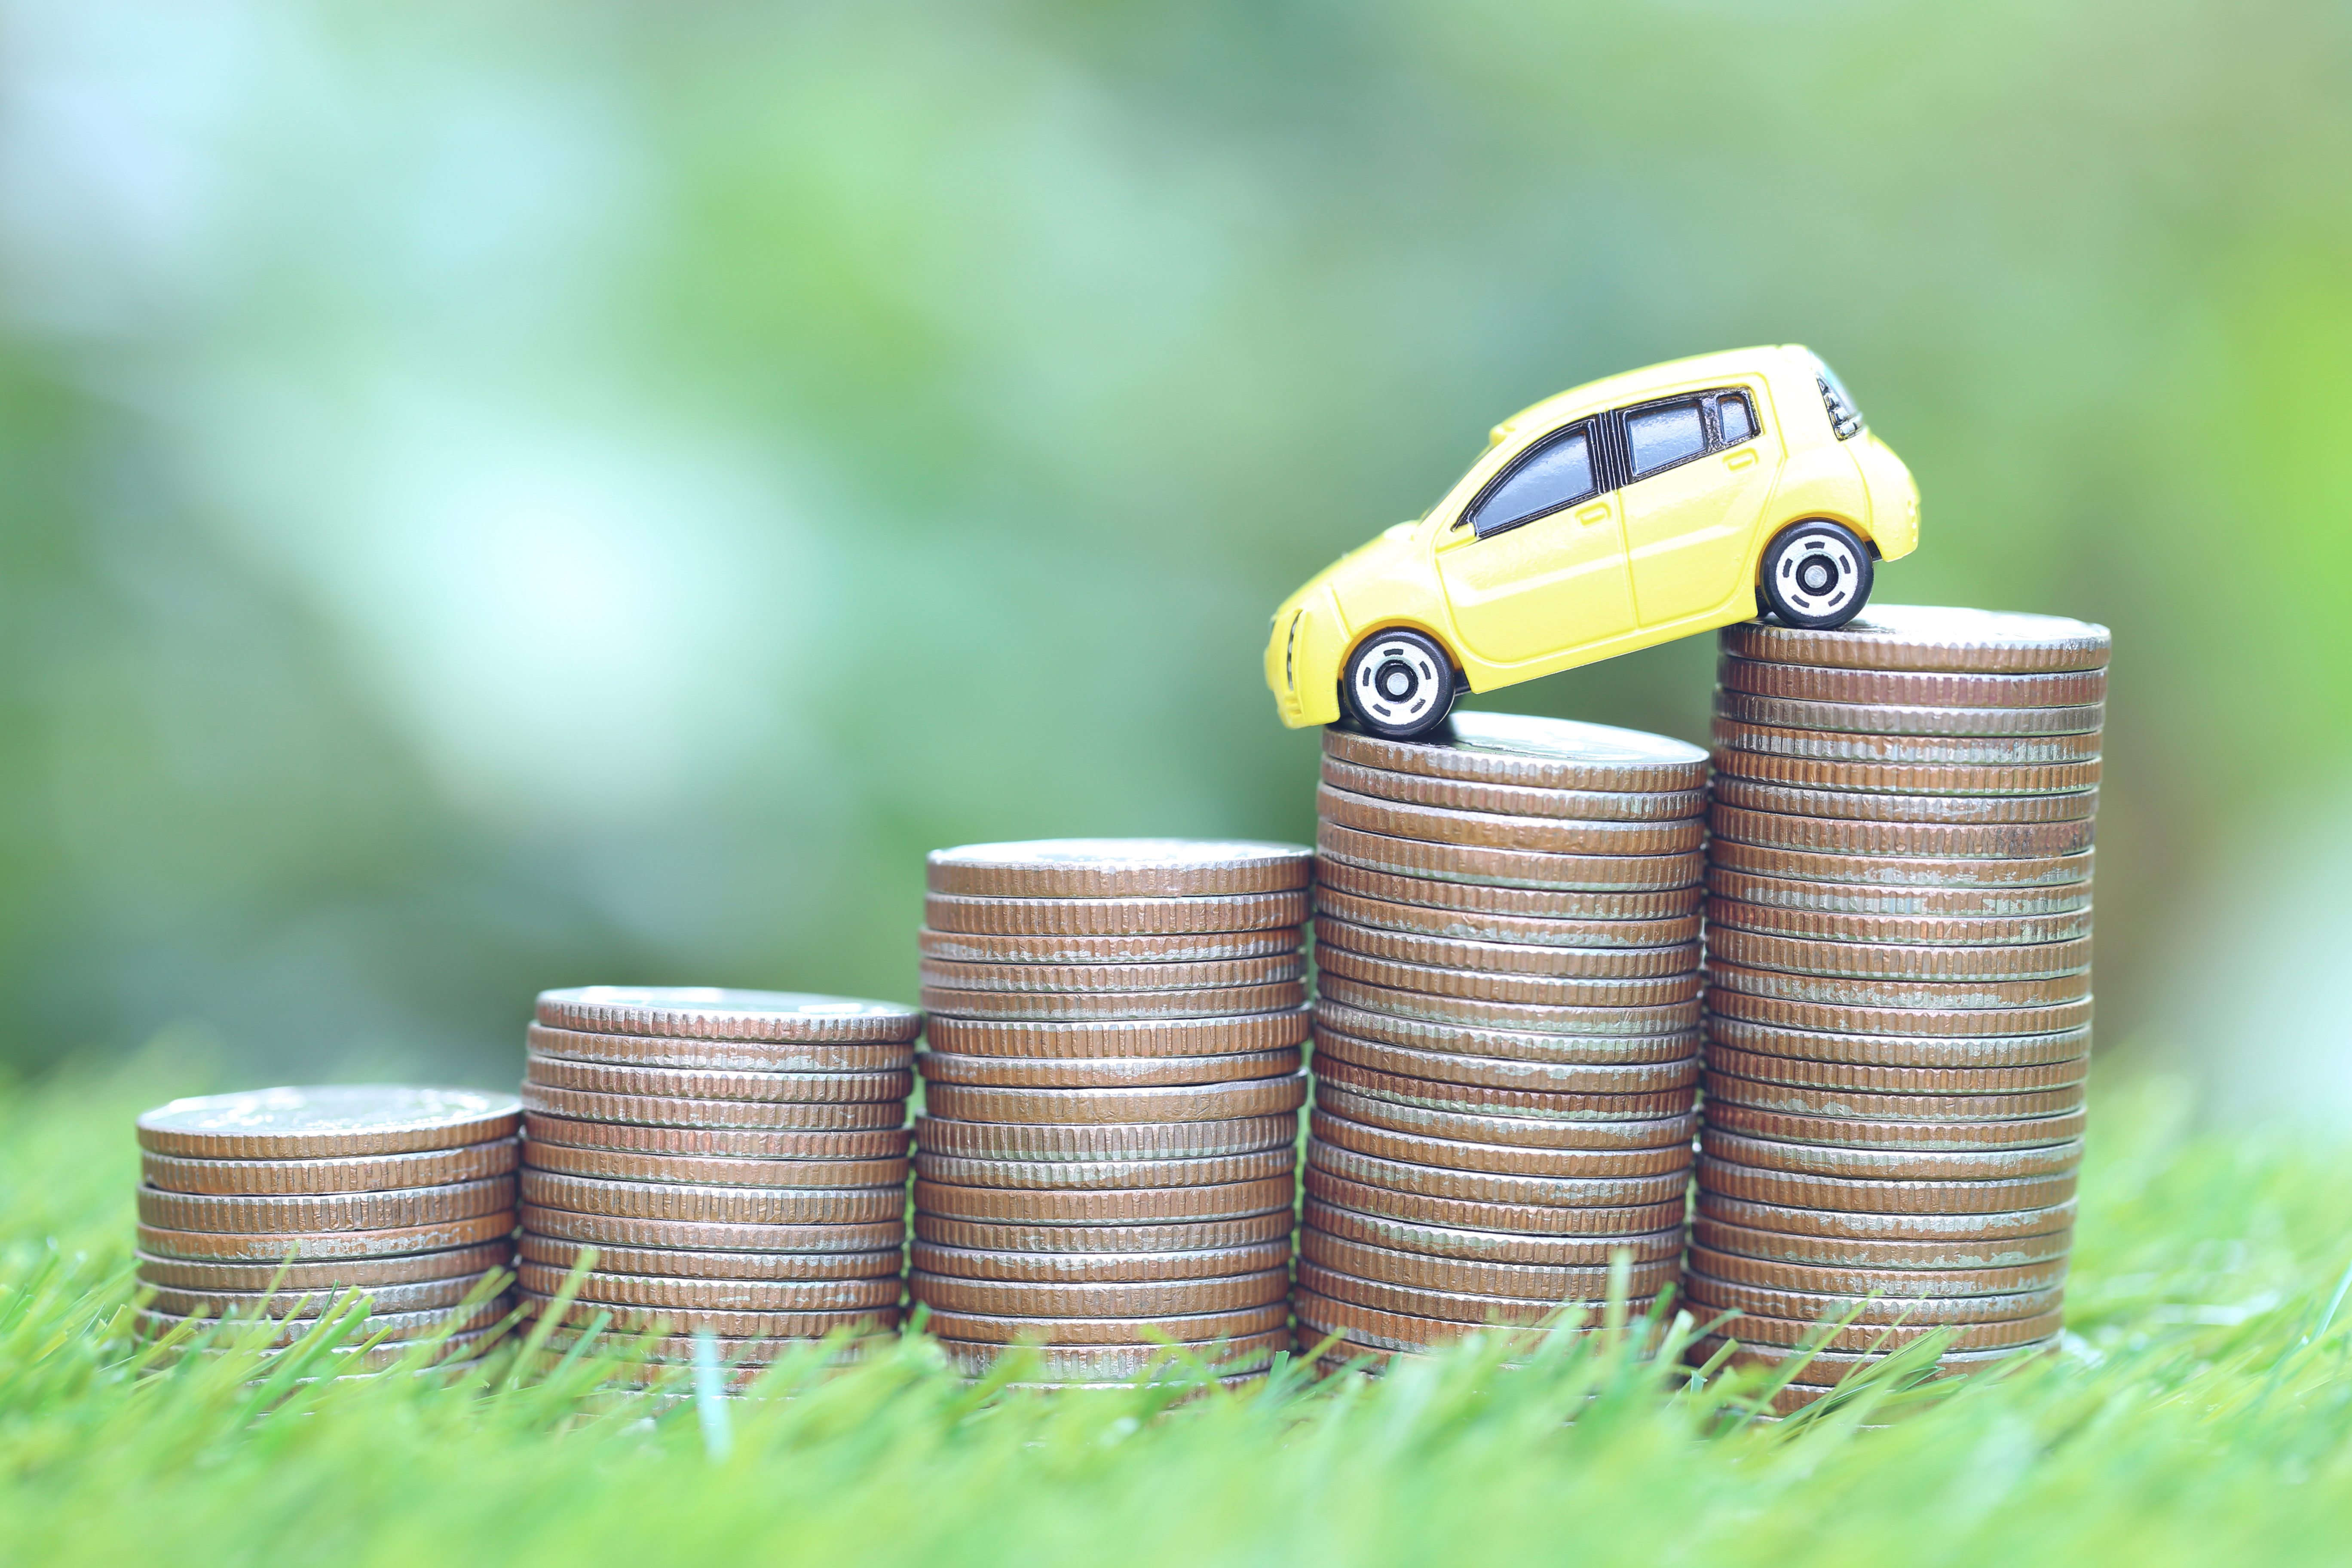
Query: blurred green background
(500,495)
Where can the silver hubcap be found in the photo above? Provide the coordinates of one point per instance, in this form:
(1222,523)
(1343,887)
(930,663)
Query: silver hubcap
(1397,681)
(1818,574)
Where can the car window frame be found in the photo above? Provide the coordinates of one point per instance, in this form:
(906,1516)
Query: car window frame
(1598,449)
(1710,426)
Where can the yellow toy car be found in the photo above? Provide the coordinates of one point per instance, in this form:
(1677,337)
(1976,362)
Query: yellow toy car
(1619,514)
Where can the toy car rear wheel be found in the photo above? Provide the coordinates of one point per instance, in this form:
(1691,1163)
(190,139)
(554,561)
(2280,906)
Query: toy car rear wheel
(1398,683)
(1817,575)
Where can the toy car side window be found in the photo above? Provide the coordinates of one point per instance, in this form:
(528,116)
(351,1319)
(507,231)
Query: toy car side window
(1664,433)
(1557,471)
(1734,420)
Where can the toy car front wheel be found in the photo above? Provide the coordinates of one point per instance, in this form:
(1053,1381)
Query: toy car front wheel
(1399,684)
(1816,575)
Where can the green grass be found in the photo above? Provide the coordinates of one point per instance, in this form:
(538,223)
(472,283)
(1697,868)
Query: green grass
(2200,1414)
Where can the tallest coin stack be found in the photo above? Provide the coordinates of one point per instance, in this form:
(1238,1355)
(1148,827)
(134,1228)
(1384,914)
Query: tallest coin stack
(1899,991)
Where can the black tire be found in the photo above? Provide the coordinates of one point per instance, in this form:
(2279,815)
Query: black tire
(1398,683)
(1817,575)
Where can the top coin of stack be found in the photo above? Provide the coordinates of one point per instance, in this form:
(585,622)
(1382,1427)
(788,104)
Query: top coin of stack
(1111,1092)
(737,1160)
(276,1202)
(1899,989)
(1506,1032)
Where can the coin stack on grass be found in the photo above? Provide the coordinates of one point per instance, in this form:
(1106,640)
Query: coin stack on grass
(1505,1029)
(1107,1156)
(1900,990)
(275,1202)
(737,1160)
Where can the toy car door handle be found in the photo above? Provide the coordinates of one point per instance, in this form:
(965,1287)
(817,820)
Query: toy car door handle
(1739,457)
(1597,513)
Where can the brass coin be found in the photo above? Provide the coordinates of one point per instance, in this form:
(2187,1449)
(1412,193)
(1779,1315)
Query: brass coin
(1083,1174)
(1122,1364)
(360,1173)
(283,1332)
(2022,1080)
(1529,1281)
(1118,1038)
(1498,1072)
(1920,689)
(1485,1100)
(328,1247)
(1902,871)
(560,1256)
(1513,800)
(1516,1016)
(1705,1290)
(1931,637)
(1907,751)
(687,1083)
(721,1056)
(1118,869)
(1852,775)
(1106,1140)
(1194,1328)
(1843,991)
(383,1300)
(1099,1267)
(1194,947)
(749,1356)
(649,1111)
(1148,1205)
(603,1230)
(1516,1132)
(1817,1280)
(1796,1100)
(1105,1072)
(1046,1007)
(1931,840)
(1830,1367)
(1866,961)
(1801,1190)
(1898,931)
(1498,1159)
(1851,1225)
(1115,916)
(1491,1246)
(1959,1255)
(1756,1329)
(2039,1131)
(1531,1219)
(1456,1306)
(713,1206)
(1504,1044)
(1021,1299)
(327,1122)
(653,1290)
(1195,1102)
(1492,830)
(1517,903)
(1780,1013)
(719,1142)
(361,1273)
(713,1013)
(743,1324)
(1891,899)
(451,1359)
(1099,1240)
(1487,985)
(1322,1317)
(624,1165)
(1471,925)
(1508,868)
(1520,749)
(1486,1187)
(1894,1164)
(939,974)
(1749,794)
(293,1213)
(1524,958)
(1902,1050)
(1894,719)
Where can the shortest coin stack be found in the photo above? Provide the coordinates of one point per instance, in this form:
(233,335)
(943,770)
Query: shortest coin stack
(275,1202)
(1107,1155)
(735,1159)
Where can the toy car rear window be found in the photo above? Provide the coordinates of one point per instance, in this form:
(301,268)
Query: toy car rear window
(1551,475)
(1732,413)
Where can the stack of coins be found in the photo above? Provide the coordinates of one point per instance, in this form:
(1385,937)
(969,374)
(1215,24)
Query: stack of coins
(1505,1029)
(1899,991)
(737,1160)
(1109,1148)
(275,1202)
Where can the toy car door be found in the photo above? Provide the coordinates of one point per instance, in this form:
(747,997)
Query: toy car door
(1699,468)
(1536,563)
